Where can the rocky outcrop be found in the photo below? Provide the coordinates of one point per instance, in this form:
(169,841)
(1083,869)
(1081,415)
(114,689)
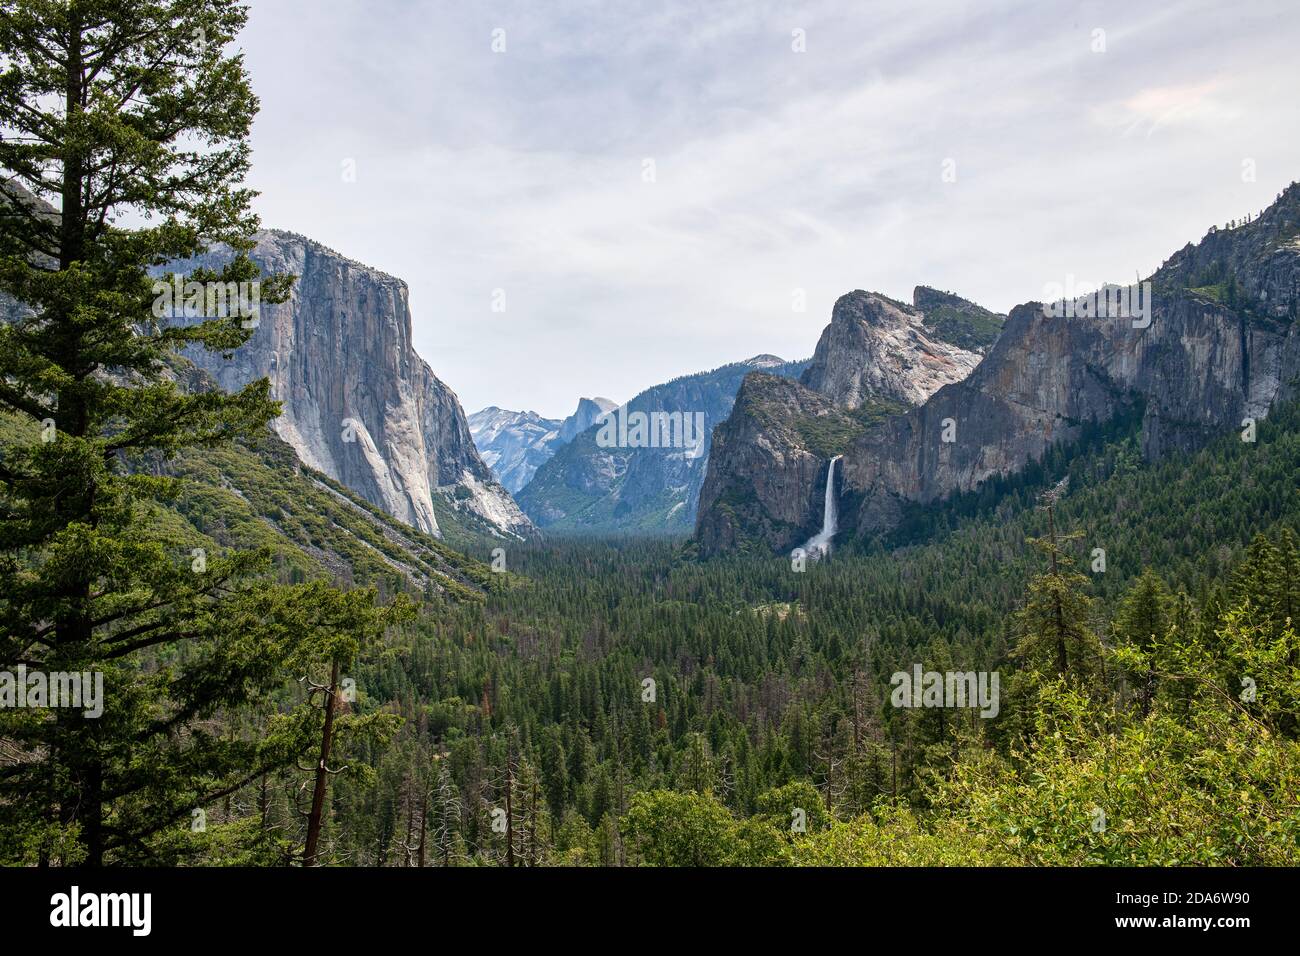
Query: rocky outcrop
(876,347)
(767,474)
(957,321)
(878,356)
(515,444)
(588,412)
(1222,346)
(359,404)
(592,485)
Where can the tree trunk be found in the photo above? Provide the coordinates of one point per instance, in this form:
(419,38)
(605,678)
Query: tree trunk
(410,823)
(893,774)
(73,627)
(322,775)
(532,826)
(424,825)
(510,820)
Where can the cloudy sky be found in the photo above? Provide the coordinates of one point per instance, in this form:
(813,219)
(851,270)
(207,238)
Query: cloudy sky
(650,184)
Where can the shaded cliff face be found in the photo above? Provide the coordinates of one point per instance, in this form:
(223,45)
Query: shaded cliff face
(1201,368)
(515,444)
(593,487)
(588,412)
(359,404)
(878,357)
(1222,346)
(767,476)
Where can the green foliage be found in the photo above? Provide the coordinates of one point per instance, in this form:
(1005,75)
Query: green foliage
(969,327)
(896,836)
(625,703)
(681,829)
(831,434)
(1054,637)
(748,706)
(132,111)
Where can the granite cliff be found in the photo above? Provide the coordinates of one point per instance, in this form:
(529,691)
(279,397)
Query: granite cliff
(1217,346)
(767,477)
(360,406)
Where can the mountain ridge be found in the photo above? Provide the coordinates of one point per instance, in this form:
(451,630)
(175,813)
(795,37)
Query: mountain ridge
(515,444)
(1218,349)
(587,488)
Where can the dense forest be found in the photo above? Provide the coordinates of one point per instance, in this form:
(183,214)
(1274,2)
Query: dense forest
(1170,713)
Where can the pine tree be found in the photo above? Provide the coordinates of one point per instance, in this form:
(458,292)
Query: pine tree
(1141,620)
(1280,598)
(1054,637)
(117,111)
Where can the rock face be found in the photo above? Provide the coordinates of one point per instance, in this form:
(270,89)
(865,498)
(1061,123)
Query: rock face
(595,486)
(766,480)
(359,404)
(515,444)
(877,347)
(1222,345)
(588,412)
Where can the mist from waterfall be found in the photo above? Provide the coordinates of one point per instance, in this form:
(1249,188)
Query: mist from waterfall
(819,544)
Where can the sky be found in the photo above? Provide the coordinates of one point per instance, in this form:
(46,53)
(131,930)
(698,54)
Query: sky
(590,198)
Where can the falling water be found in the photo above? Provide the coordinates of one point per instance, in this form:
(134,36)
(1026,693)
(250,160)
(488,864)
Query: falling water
(819,545)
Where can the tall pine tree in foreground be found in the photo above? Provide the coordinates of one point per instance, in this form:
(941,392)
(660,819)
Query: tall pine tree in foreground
(124,146)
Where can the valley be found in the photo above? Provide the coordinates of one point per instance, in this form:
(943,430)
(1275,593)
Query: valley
(950,581)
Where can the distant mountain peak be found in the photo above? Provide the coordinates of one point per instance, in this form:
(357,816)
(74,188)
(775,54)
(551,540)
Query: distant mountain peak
(516,444)
(589,487)
(588,412)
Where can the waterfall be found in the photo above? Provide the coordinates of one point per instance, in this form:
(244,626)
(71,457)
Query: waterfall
(819,545)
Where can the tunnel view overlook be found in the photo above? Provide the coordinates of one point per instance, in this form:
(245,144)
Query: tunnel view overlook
(440,436)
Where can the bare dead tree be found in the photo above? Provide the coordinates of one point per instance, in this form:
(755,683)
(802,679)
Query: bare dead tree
(831,756)
(532,825)
(412,783)
(446,813)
